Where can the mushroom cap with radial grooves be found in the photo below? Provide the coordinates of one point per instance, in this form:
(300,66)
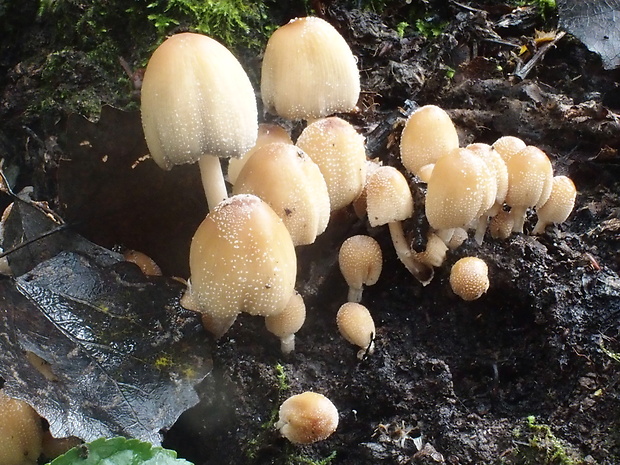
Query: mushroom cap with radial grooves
(388,197)
(457,190)
(242,259)
(307,417)
(308,71)
(339,151)
(291,183)
(360,260)
(196,99)
(428,134)
(469,278)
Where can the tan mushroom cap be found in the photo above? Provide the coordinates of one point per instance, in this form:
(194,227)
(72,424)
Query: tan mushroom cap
(196,100)
(361,261)
(286,323)
(242,259)
(339,151)
(307,417)
(459,190)
(388,197)
(21,432)
(530,179)
(501,225)
(507,146)
(559,205)
(292,184)
(356,325)
(267,133)
(428,134)
(308,71)
(469,278)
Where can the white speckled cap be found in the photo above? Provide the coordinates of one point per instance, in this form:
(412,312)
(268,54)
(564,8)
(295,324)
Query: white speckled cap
(242,259)
(309,71)
(196,100)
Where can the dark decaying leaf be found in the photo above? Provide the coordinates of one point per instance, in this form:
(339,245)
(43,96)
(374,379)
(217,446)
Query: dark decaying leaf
(32,235)
(98,349)
(595,23)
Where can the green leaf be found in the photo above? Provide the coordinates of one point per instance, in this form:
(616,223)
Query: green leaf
(119,451)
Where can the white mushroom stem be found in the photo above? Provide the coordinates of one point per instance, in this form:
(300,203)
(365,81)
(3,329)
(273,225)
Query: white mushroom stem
(420,271)
(212,180)
(355,294)
(517,212)
(287,343)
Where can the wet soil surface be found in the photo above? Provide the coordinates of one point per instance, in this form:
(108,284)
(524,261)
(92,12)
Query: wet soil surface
(527,374)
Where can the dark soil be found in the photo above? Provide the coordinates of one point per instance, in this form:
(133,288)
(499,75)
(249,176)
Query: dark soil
(527,374)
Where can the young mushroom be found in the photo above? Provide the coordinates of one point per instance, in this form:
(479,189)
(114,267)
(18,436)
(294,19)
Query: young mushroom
(197,104)
(360,260)
(428,134)
(497,166)
(389,201)
(339,151)
(356,325)
(469,278)
(286,323)
(308,71)
(530,179)
(267,133)
(559,205)
(242,259)
(307,417)
(20,432)
(507,146)
(292,184)
(460,190)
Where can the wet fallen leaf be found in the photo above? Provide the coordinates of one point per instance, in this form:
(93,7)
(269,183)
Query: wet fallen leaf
(595,23)
(97,348)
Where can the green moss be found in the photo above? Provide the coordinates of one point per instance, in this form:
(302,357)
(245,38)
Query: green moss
(536,444)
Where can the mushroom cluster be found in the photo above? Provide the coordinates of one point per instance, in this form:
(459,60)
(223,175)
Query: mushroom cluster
(197,101)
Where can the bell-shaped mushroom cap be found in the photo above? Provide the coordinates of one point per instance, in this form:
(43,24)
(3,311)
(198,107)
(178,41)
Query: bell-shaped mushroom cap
(309,71)
(339,151)
(20,431)
(292,184)
(307,417)
(196,100)
(530,179)
(388,197)
(497,165)
(507,146)
(286,323)
(458,190)
(242,259)
(360,260)
(356,325)
(469,278)
(267,133)
(428,134)
(559,205)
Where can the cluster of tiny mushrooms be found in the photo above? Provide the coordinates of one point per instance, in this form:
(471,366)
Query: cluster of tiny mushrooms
(198,105)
